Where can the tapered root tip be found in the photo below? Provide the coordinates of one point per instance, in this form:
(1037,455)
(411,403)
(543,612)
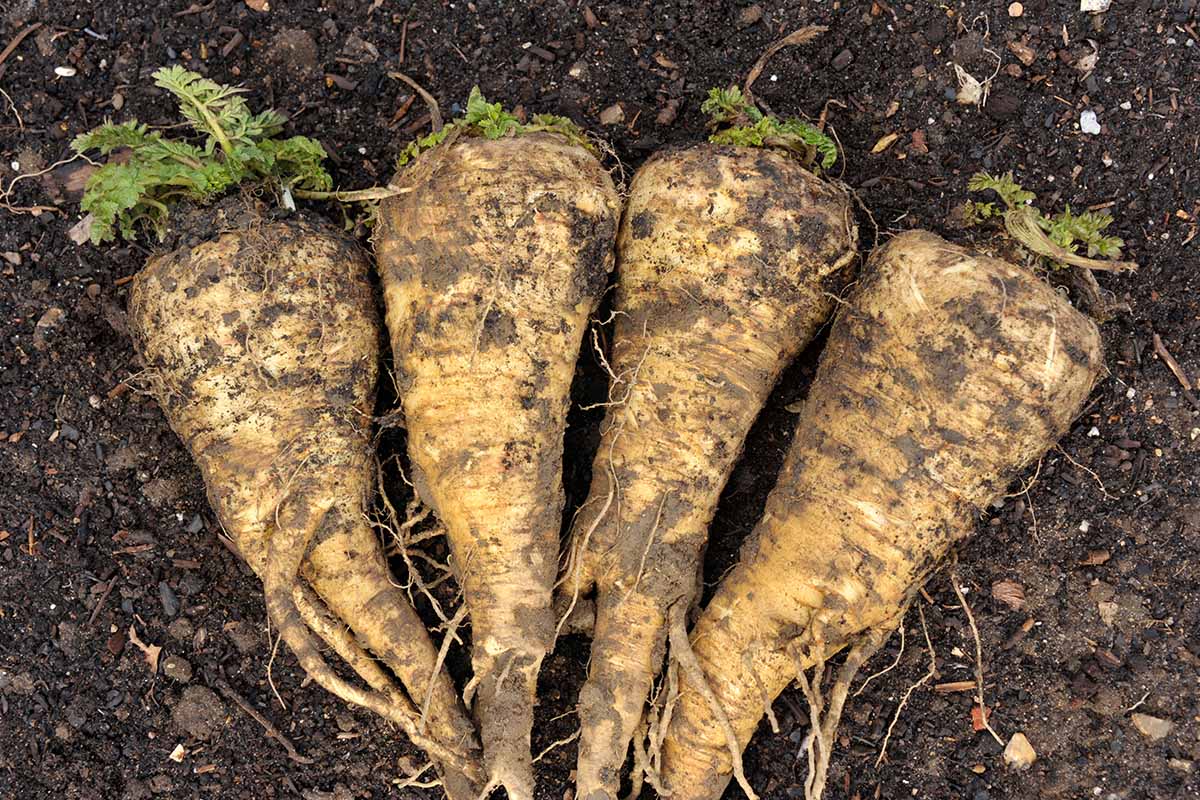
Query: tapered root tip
(626,655)
(504,706)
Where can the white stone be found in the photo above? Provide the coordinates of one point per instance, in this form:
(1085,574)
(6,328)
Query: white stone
(1088,123)
(1152,728)
(1019,753)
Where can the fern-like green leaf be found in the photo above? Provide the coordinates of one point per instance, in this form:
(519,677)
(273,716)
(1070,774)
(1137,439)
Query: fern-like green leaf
(1066,229)
(239,146)
(492,121)
(739,122)
(1011,192)
(110,136)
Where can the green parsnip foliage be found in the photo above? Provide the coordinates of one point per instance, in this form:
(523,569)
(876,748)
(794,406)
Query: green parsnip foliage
(1066,229)
(745,125)
(238,146)
(492,121)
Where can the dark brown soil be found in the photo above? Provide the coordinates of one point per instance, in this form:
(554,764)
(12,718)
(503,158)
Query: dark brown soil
(105,532)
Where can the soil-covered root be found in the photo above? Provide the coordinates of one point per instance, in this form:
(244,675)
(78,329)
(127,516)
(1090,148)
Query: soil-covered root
(262,348)
(491,265)
(729,260)
(945,375)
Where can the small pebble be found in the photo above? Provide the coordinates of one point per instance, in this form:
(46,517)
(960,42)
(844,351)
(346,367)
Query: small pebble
(181,629)
(64,72)
(1152,728)
(1088,123)
(749,16)
(47,324)
(1019,753)
(166,595)
(1016,10)
(199,713)
(842,59)
(177,668)
(613,115)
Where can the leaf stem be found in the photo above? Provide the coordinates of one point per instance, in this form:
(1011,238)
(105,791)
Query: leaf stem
(357,195)
(214,126)
(1022,225)
(187,162)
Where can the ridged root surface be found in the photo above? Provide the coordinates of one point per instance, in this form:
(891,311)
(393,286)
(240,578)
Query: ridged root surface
(262,348)
(947,373)
(491,266)
(729,260)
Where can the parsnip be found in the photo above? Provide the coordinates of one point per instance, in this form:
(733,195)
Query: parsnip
(262,348)
(946,374)
(729,260)
(491,265)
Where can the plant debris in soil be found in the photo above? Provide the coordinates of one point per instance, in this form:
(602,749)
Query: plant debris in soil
(109,553)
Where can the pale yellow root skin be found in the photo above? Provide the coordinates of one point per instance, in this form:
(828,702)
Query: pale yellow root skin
(262,348)
(491,266)
(729,260)
(947,373)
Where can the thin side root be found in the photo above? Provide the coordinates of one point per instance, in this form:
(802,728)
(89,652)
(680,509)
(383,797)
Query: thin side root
(748,663)
(641,761)
(447,640)
(555,745)
(926,678)
(862,687)
(384,700)
(658,719)
(825,720)
(317,618)
(681,651)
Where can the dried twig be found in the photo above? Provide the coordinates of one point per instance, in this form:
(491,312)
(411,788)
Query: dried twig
(435,113)
(1177,370)
(268,727)
(802,36)
(983,709)
(112,582)
(16,41)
